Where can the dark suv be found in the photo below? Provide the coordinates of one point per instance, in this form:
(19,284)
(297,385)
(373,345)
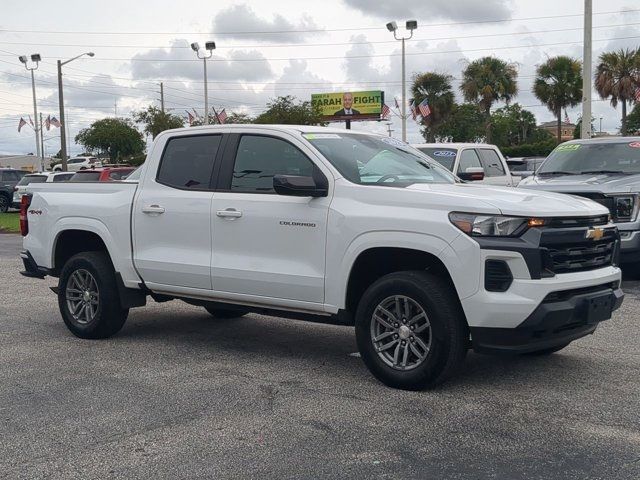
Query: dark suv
(8,180)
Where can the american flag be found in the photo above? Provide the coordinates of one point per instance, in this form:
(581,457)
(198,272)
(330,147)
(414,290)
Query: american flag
(385,111)
(21,123)
(425,111)
(47,123)
(412,107)
(196,113)
(637,94)
(222,117)
(566,117)
(55,122)
(30,121)
(190,117)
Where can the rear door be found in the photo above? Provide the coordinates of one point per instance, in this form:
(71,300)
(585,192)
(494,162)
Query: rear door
(265,244)
(495,172)
(172,215)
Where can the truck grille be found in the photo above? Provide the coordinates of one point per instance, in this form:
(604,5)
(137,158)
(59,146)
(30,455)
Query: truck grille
(582,256)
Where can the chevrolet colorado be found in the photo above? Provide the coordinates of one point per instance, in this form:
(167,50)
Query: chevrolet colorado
(325,224)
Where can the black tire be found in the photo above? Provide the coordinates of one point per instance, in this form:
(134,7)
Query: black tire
(224,313)
(448,333)
(547,351)
(109,316)
(5,203)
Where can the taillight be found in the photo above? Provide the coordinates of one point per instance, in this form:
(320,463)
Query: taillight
(25,202)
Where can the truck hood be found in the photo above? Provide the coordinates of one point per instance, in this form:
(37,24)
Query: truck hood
(602,183)
(514,201)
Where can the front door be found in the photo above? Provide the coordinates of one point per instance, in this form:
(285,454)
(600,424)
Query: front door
(265,244)
(172,215)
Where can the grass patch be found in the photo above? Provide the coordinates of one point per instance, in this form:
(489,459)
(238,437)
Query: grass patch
(10,222)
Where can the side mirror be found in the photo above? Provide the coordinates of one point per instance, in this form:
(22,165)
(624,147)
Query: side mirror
(301,186)
(472,174)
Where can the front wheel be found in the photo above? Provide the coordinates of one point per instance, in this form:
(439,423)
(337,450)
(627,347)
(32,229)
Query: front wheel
(411,331)
(88,296)
(4,204)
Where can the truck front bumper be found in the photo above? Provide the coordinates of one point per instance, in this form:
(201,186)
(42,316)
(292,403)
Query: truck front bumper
(629,246)
(561,317)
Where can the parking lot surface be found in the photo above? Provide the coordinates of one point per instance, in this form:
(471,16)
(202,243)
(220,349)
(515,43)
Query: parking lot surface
(178,394)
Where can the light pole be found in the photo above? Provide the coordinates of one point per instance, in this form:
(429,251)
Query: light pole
(600,125)
(585,130)
(209,47)
(411,25)
(63,133)
(35,58)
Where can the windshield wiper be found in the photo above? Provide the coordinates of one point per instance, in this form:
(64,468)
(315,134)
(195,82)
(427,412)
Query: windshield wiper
(557,172)
(603,171)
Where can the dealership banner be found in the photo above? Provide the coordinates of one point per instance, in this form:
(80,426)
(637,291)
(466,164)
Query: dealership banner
(339,106)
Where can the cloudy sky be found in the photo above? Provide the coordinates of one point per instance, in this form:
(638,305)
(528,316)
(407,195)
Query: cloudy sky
(275,48)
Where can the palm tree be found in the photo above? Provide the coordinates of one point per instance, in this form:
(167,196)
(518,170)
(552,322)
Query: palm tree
(486,81)
(617,77)
(558,85)
(436,89)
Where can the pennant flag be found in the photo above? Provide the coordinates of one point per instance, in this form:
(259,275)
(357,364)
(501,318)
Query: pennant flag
(397,104)
(47,123)
(425,111)
(21,124)
(190,117)
(55,122)
(385,111)
(412,107)
(30,121)
(222,117)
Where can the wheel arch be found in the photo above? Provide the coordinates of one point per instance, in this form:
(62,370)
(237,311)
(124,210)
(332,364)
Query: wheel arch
(71,238)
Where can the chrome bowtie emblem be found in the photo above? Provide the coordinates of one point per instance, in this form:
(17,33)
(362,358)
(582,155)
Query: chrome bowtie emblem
(595,233)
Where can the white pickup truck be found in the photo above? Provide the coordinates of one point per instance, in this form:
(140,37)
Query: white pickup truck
(326,224)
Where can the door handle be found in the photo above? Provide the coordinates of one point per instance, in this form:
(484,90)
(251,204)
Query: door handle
(157,209)
(230,213)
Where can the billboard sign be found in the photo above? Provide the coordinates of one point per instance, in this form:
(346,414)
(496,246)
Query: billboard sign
(338,106)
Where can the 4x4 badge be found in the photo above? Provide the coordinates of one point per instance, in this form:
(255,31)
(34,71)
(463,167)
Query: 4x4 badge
(595,233)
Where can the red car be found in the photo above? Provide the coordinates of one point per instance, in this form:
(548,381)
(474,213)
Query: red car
(102,174)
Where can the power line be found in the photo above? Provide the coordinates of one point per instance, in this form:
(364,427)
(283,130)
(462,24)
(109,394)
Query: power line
(312,30)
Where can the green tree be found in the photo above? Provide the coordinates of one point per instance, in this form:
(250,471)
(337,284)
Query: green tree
(512,125)
(617,78)
(116,136)
(633,121)
(156,121)
(486,81)
(436,89)
(239,118)
(289,111)
(558,84)
(465,124)
(577,131)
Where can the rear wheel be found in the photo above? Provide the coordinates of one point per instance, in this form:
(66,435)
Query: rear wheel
(411,330)
(5,203)
(226,312)
(88,296)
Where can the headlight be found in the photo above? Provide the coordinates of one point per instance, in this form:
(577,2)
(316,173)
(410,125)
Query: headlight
(493,225)
(625,208)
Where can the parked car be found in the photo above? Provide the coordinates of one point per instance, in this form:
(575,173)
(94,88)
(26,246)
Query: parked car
(44,177)
(9,178)
(331,225)
(470,161)
(76,164)
(523,167)
(102,174)
(606,170)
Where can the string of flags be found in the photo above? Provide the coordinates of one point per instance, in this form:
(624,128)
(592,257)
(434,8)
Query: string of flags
(48,123)
(195,116)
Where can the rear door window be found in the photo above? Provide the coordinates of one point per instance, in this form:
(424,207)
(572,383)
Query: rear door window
(9,176)
(491,163)
(187,162)
(62,178)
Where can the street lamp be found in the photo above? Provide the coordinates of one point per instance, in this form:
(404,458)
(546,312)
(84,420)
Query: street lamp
(601,124)
(410,25)
(209,47)
(63,133)
(35,58)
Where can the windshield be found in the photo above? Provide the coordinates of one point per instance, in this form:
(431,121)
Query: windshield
(444,156)
(373,160)
(26,180)
(576,158)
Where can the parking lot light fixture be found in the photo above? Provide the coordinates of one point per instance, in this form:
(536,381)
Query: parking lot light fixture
(35,60)
(63,132)
(410,25)
(210,46)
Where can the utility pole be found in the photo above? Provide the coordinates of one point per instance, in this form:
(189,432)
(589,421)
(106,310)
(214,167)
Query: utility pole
(115,108)
(42,144)
(162,96)
(585,130)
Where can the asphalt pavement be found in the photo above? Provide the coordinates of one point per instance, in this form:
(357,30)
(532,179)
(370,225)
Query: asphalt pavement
(178,394)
